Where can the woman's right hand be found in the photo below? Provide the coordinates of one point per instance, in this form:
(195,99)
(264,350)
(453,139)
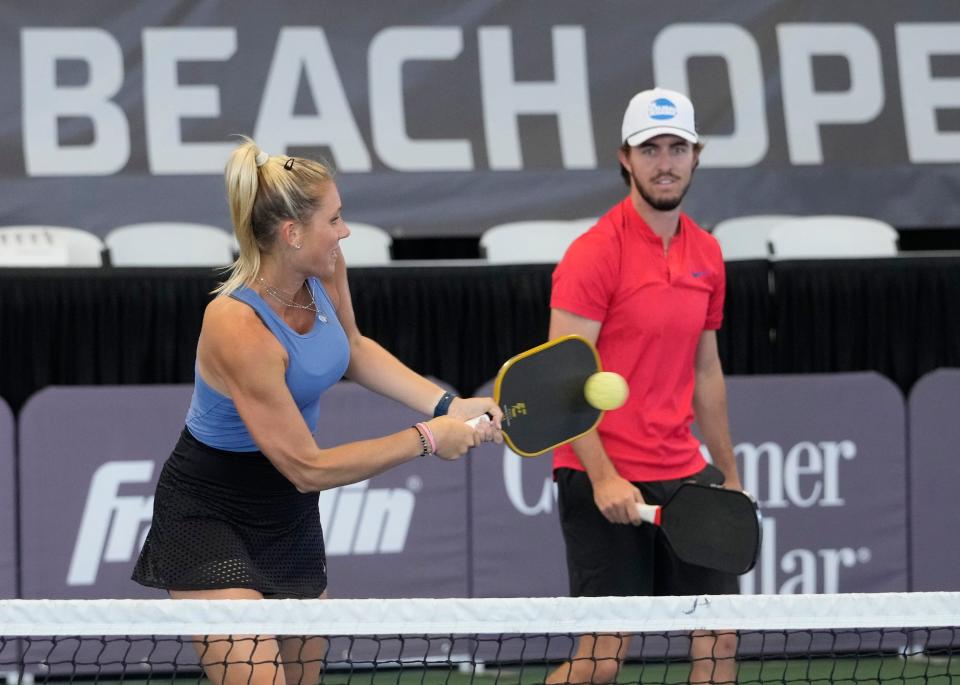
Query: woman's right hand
(453,437)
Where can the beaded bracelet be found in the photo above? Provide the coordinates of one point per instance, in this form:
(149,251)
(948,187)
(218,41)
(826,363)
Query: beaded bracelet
(423,441)
(425,430)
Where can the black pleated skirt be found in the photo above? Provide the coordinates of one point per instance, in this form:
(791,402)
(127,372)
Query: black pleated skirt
(231,520)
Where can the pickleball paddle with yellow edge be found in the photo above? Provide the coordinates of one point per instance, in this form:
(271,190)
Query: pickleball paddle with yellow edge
(543,393)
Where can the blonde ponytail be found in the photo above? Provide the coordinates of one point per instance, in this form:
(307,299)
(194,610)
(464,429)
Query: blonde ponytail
(262,192)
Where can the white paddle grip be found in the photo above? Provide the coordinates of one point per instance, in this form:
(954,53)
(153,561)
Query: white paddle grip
(649,513)
(475,421)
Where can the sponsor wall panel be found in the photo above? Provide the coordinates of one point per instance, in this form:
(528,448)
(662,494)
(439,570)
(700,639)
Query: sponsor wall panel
(825,455)
(89,461)
(9,649)
(88,490)
(403,533)
(8,505)
(91,456)
(517,545)
(934,477)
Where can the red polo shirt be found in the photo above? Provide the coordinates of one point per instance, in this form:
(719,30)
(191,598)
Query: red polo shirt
(653,307)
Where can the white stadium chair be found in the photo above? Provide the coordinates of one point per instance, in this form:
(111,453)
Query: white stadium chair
(747,237)
(531,242)
(818,237)
(34,245)
(170,244)
(366,246)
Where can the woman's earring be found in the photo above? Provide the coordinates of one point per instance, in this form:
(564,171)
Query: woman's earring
(298,246)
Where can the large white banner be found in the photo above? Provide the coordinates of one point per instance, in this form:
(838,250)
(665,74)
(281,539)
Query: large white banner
(116,112)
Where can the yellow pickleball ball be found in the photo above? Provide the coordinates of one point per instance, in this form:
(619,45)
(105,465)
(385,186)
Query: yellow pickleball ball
(606,390)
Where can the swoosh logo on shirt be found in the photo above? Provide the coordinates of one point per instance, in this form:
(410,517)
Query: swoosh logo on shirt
(698,274)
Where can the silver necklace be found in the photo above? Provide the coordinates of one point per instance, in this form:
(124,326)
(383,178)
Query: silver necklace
(287,301)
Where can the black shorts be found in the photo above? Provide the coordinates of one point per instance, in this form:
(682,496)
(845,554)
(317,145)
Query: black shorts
(615,560)
(231,520)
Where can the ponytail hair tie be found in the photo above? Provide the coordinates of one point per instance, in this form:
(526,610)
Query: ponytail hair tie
(261,158)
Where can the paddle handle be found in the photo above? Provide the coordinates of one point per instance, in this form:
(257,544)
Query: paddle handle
(649,513)
(475,421)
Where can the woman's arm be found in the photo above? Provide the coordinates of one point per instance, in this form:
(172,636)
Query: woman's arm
(378,370)
(238,356)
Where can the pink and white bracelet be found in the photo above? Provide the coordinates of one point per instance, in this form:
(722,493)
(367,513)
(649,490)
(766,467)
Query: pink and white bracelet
(425,429)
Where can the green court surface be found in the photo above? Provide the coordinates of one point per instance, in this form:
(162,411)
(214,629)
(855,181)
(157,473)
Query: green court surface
(815,671)
(820,671)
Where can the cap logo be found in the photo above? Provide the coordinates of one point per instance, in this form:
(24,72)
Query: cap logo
(661,109)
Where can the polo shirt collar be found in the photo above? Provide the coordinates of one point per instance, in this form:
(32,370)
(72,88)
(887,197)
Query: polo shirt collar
(634,222)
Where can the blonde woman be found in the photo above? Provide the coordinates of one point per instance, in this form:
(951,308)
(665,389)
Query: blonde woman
(235,512)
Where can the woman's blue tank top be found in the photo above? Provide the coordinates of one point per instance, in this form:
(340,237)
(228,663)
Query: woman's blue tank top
(318,359)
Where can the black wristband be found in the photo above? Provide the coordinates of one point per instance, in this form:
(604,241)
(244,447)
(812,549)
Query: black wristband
(443,406)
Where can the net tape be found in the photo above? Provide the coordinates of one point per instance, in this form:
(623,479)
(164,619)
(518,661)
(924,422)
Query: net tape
(478,616)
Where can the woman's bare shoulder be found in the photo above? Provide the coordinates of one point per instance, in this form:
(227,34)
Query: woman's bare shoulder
(232,325)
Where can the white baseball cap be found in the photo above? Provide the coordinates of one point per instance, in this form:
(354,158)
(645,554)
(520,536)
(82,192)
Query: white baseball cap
(658,112)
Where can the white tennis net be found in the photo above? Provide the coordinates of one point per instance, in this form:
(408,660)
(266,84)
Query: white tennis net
(846,638)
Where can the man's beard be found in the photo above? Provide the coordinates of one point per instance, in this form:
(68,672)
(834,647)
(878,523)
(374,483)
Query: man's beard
(663,204)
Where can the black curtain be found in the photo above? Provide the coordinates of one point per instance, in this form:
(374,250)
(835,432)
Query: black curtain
(460,323)
(898,316)
(98,326)
(457,323)
(744,339)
